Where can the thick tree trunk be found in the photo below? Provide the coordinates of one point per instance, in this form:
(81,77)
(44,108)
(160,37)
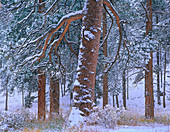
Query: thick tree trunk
(41,95)
(105,78)
(54,96)
(88,55)
(164,93)
(149,99)
(124,88)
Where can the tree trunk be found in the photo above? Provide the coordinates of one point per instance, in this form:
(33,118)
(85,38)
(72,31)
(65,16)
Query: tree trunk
(88,55)
(127,85)
(124,89)
(41,95)
(6,90)
(113,100)
(105,78)
(158,82)
(117,101)
(158,65)
(149,99)
(164,93)
(54,96)
(23,97)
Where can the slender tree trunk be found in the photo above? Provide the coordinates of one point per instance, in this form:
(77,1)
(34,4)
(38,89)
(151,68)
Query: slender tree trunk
(127,85)
(161,65)
(113,100)
(124,88)
(88,55)
(54,96)
(158,82)
(164,93)
(105,76)
(41,95)
(6,100)
(149,99)
(23,97)
(117,101)
(158,65)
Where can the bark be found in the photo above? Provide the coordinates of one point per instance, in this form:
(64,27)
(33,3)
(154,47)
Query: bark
(54,96)
(88,55)
(149,99)
(164,103)
(105,76)
(124,89)
(41,95)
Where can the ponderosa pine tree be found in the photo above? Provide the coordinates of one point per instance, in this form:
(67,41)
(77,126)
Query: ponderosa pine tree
(149,98)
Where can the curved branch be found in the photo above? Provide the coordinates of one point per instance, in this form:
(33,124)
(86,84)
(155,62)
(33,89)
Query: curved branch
(68,18)
(110,6)
(106,37)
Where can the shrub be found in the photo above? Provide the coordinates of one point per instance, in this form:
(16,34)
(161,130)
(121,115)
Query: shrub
(107,117)
(15,120)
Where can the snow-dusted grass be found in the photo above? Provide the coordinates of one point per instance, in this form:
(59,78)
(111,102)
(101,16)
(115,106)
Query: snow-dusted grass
(132,118)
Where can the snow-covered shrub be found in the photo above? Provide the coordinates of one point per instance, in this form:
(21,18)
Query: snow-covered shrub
(107,117)
(16,120)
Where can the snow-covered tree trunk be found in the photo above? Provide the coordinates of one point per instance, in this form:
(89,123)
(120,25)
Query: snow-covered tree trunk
(88,55)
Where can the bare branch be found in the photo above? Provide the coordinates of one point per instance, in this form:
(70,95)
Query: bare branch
(106,37)
(110,6)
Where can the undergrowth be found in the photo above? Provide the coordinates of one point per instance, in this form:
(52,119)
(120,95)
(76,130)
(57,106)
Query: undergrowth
(26,122)
(134,119)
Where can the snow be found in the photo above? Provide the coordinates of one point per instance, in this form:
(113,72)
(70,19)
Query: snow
(76,83)
(89,35)
(75,118)
(135,105)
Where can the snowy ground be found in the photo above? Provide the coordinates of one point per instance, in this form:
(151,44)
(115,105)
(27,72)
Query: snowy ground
(136,103)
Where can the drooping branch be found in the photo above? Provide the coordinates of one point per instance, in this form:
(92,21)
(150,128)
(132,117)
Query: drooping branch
(110,6)
(67,18)
(106,37)
(57,42)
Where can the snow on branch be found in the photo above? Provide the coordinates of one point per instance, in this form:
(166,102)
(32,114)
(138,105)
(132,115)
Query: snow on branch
(67,18)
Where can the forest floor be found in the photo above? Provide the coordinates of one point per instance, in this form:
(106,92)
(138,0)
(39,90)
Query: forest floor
(133,120)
